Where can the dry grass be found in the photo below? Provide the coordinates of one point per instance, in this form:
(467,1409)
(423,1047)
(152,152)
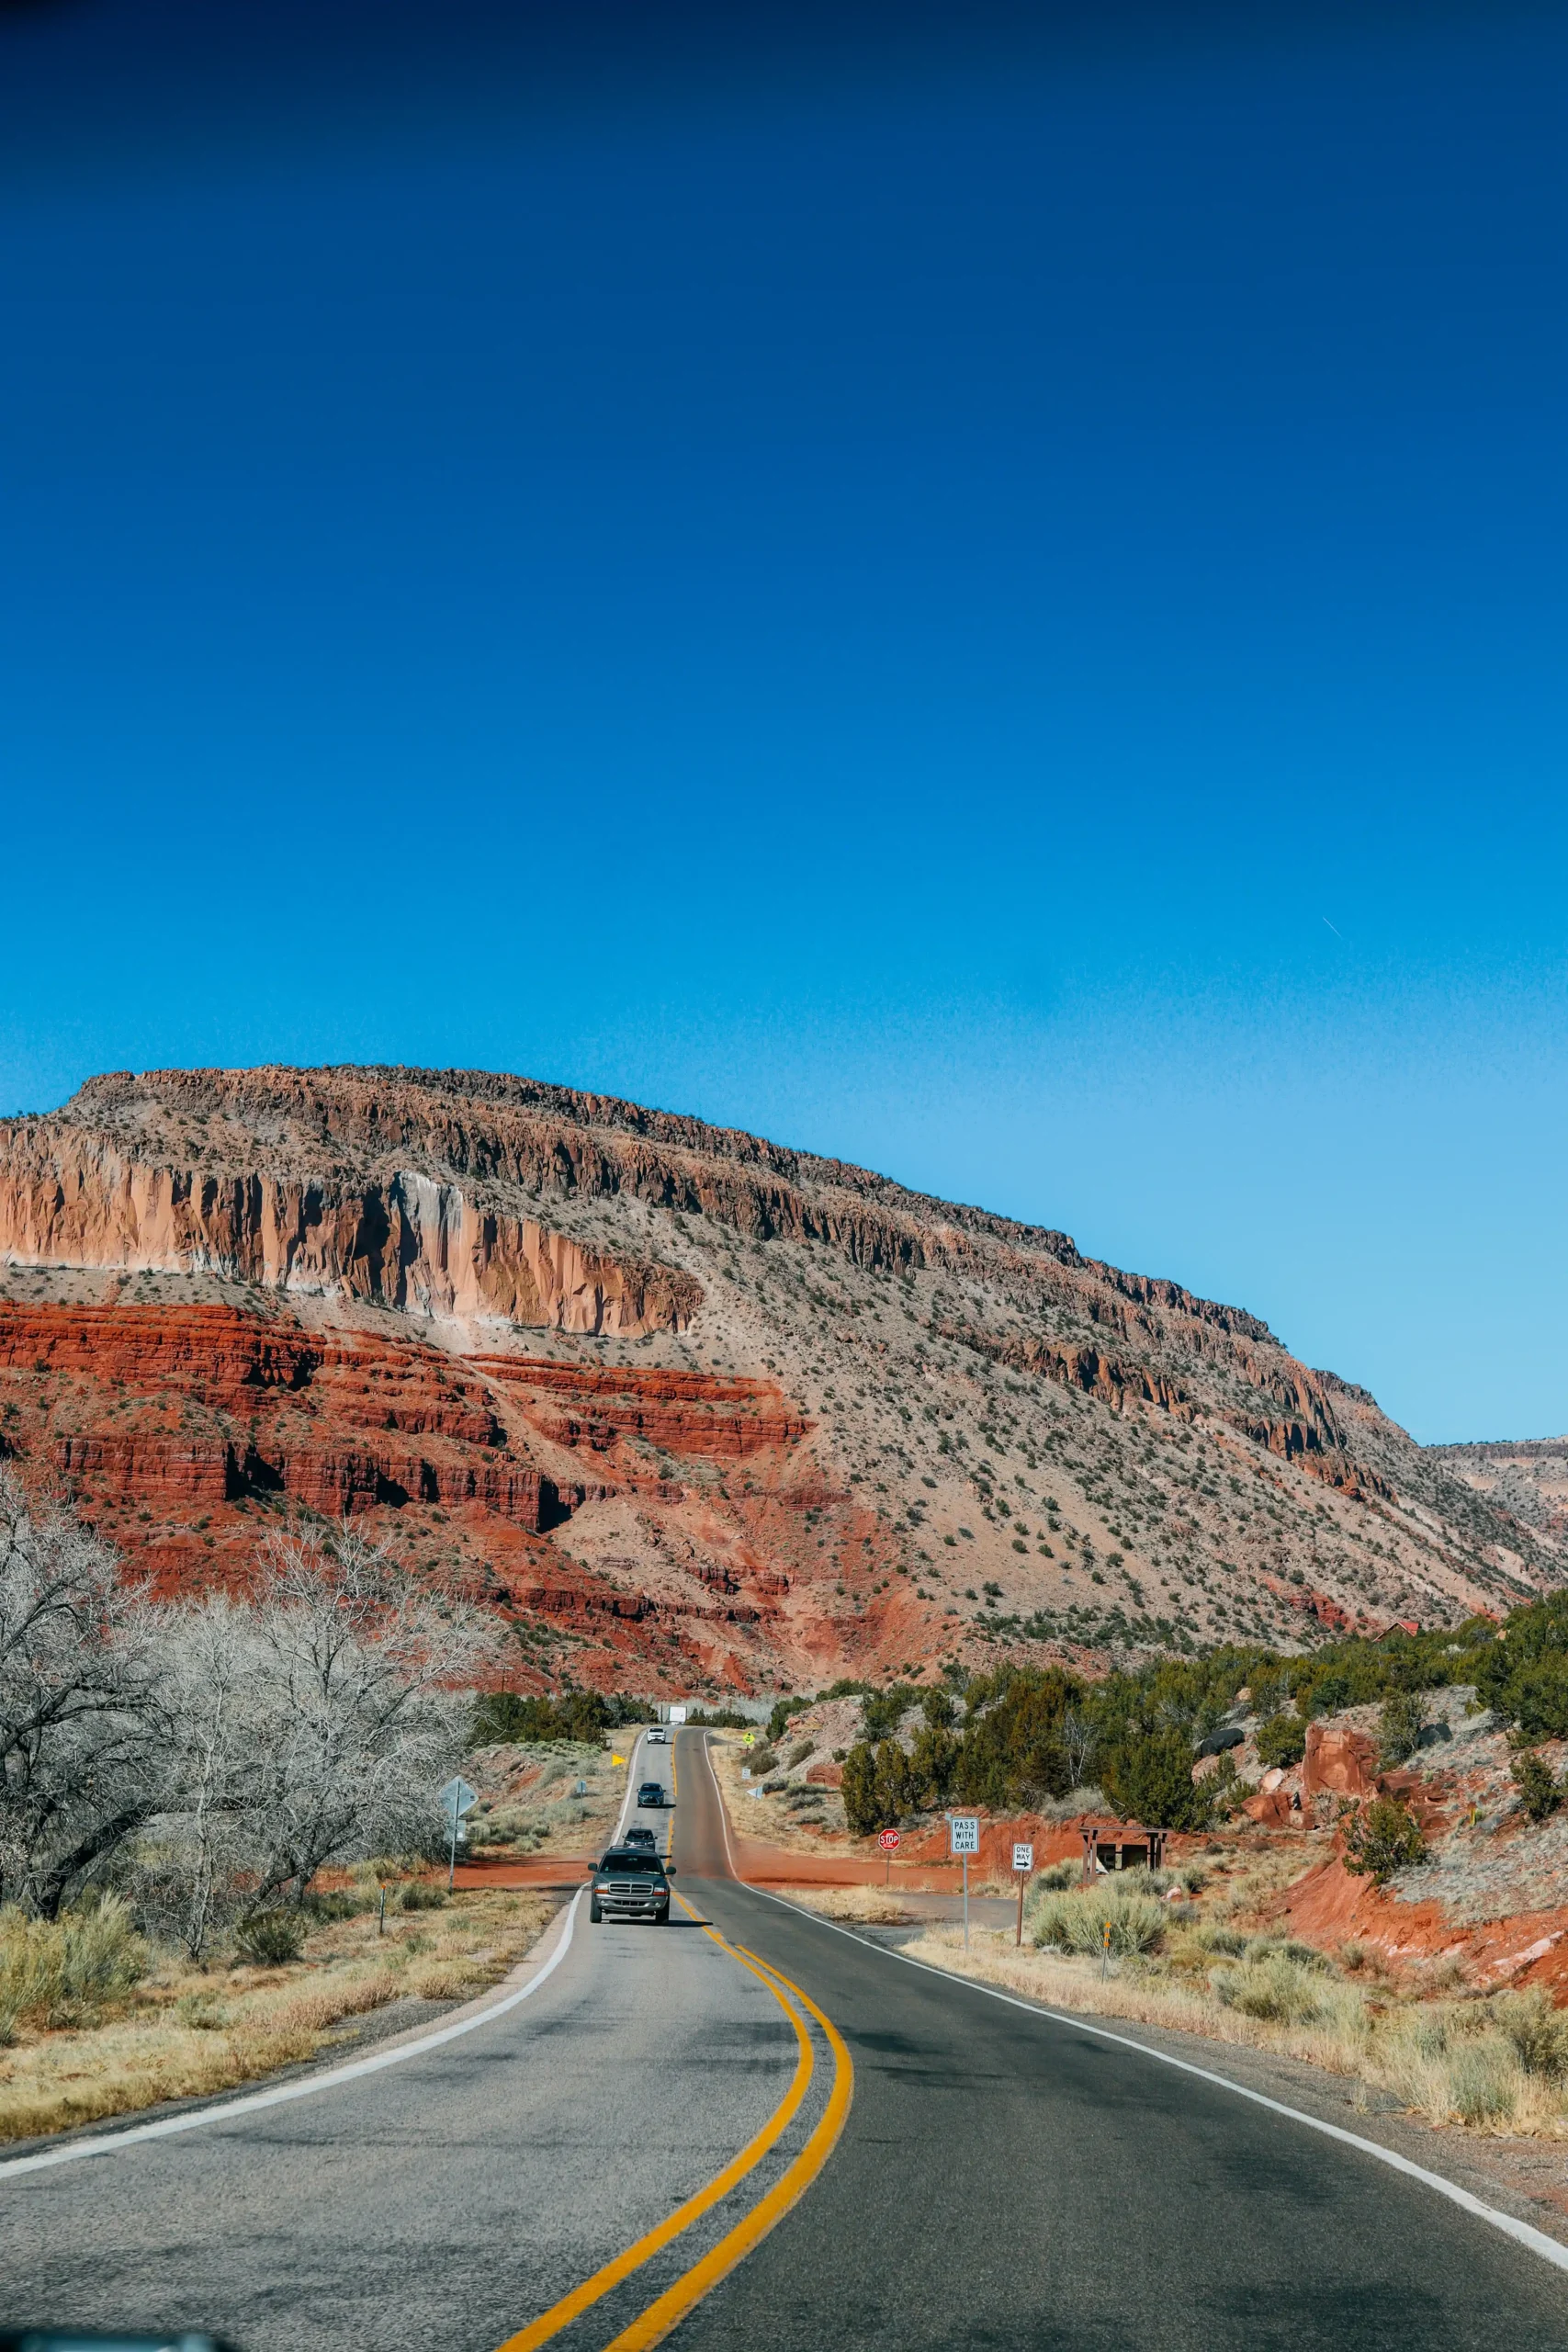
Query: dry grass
(184,2031)
(872,1906)
(1489,2065)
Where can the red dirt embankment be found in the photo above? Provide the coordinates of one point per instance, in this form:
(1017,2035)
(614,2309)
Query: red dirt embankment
(1329,1907)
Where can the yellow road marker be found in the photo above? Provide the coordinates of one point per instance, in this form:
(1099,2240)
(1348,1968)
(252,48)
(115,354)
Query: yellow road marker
(581,2299)
(673,2305)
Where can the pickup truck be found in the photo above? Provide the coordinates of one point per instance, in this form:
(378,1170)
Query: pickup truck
(631,1883)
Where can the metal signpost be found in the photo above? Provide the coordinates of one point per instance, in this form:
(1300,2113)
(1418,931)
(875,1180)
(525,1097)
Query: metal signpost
(457,1799)
(1022,1863)
(964,1830)
(888,1841)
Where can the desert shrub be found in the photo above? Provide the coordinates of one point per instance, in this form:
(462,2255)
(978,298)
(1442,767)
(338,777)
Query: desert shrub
(1399,1727)
(1260,1948)
(1540,1793)
(1213,1938)
(1483,2082)
(61,1969)
(271,1939)
(1383,1837)
(423,1894)
(1536,2033)
(336,1905)
(1275,1988)
(1194,1877)
(798,1753)
(1077,1922)
(1057,1874)
(1281,1740)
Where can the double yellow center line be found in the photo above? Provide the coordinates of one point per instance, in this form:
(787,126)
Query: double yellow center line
(672,2306)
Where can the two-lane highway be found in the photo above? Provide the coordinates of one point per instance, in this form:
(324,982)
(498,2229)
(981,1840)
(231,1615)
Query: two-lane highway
(597,2164)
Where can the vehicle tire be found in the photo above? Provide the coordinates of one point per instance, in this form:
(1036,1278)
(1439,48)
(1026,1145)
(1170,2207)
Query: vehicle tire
(661,1918)
(595,1913)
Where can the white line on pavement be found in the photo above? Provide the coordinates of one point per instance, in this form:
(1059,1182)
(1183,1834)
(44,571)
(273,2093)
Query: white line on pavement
(1536,2239)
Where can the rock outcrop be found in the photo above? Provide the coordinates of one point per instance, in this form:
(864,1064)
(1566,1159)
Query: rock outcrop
(684,1402)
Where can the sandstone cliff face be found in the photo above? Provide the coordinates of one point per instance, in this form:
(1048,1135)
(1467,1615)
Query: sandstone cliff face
(71,1197)
(787,1419)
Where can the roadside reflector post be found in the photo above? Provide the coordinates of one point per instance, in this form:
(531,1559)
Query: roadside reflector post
(1022,1863)
(964,1830)
(381,1914)
(1105,1949)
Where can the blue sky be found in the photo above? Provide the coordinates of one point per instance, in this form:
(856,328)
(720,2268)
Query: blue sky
(991,603)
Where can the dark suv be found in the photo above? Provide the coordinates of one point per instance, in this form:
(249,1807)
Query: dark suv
(631,1883)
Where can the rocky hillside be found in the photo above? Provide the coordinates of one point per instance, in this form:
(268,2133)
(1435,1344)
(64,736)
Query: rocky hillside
(694,1409)
(1528,1477)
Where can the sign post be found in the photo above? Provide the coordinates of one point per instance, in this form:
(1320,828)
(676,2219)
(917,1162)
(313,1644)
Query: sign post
(964,1828)
(1022,1863)
(888,1841)
(457,1799)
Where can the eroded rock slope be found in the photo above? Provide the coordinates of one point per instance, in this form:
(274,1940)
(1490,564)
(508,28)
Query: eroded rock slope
(693,1409)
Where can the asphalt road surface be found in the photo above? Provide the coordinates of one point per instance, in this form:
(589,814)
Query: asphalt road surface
(1001,2180)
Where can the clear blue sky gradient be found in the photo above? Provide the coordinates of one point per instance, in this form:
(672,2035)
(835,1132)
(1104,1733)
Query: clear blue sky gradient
(990,602)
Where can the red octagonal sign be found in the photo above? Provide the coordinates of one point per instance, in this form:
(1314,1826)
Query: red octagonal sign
(889,1839)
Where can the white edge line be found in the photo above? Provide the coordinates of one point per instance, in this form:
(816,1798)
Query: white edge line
(109,2143)
(1534,2240)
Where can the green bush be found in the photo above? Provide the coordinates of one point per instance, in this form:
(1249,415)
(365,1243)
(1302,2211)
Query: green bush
(877,1788)
(1399,1727)
(1077,1922)
(1540,1793)
(798,1753)
(1538,2033)
(932,1763)
(423,1894)
(1281,1740)
(1383,1837)
(271,1939)
(580,1715)
(1523,1673)
(1150,1778)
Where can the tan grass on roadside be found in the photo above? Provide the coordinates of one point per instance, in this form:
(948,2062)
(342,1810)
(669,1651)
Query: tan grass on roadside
(1454,2063)
(185,2032)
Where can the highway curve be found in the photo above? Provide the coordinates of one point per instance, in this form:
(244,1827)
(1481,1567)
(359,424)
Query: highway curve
(1007,2181)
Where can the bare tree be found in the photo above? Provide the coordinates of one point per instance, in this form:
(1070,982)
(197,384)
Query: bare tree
(1079,1739)
(363,1682)
(204,1854)
(82,1729)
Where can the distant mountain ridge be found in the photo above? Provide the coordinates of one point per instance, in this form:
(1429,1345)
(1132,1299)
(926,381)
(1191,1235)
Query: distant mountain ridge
(962,1437)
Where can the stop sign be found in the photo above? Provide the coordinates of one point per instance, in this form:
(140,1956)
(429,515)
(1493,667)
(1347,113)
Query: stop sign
(889,1839)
